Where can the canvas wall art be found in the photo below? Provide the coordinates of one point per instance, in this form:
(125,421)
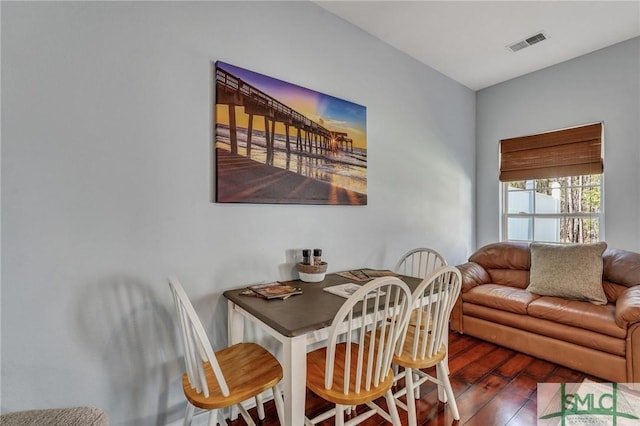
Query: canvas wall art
(279,143)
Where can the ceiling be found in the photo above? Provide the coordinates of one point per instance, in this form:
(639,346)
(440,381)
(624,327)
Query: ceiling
(467,40)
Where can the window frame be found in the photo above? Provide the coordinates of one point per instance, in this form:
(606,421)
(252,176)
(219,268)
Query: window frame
(505,215)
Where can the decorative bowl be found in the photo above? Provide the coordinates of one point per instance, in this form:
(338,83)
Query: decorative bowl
(312,273)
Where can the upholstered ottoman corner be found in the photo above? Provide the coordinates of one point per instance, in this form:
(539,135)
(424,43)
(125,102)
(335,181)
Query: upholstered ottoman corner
(75,416)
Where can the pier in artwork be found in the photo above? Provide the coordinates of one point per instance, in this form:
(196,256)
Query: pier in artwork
(309,137)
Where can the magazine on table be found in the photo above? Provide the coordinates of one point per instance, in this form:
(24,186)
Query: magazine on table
(362,275)
(345,290)
(375,273)
(355,275)
(275,290)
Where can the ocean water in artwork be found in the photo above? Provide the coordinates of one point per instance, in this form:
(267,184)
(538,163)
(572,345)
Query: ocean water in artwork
(345,168)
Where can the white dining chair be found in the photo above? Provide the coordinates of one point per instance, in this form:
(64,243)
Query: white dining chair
(424,343)
(419,262)
(355,366)
(225,378)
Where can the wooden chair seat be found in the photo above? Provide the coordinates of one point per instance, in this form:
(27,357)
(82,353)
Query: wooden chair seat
(316,367)
(248,368)
(425,321)
(406,357)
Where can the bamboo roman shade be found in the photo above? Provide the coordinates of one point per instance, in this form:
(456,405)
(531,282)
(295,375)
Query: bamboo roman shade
(569,152)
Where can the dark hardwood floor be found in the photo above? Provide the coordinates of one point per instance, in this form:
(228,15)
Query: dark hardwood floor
(494,386)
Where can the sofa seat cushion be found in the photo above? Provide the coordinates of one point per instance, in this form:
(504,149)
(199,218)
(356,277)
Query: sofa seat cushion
(578,336)
(505,298)
(576,313)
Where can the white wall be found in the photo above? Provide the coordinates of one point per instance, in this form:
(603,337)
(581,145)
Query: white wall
(602,86)
(106,184)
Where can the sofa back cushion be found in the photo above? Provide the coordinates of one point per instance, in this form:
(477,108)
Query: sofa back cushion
(506,262)
(572,271)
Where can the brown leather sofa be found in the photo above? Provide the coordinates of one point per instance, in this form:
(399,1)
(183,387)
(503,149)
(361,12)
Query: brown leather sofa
(600,340)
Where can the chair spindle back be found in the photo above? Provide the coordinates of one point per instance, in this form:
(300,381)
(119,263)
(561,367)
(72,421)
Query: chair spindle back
(197,348)
(435,298)
(369,323)
(420,262)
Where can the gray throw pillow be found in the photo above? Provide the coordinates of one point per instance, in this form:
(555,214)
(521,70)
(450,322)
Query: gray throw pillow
(571,271)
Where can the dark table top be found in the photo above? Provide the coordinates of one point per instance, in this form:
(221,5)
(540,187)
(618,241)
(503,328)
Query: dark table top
(314,309)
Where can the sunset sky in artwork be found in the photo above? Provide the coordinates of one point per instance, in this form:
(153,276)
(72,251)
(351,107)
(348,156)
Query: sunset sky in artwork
(333,113)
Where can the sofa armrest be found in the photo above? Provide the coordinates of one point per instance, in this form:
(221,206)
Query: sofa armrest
(473,275)
(628,307)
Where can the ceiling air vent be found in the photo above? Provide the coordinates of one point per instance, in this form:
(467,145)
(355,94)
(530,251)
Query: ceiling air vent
(536,38)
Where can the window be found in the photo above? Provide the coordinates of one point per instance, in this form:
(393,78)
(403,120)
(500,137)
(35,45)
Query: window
(552,186)
(566,209)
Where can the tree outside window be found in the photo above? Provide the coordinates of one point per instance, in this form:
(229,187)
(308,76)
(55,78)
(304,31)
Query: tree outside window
(563,209)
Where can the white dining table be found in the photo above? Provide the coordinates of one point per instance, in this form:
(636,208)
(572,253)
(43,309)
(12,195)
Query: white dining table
(299,322)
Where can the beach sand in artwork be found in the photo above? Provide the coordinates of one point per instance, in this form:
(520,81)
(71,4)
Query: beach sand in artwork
(242,180)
